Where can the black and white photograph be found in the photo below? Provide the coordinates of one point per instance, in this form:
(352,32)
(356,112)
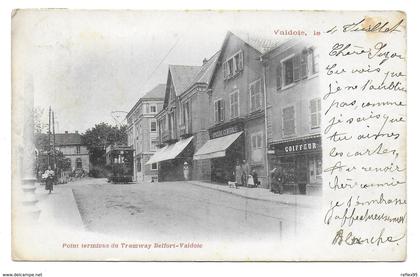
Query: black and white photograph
(208,135)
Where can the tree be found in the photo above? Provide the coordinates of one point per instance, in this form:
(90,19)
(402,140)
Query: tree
(97,139)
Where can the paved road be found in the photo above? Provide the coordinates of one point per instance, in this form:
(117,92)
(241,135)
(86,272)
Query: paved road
(178,210)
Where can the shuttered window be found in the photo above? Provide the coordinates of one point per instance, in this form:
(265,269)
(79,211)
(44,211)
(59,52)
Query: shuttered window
(255,95)
(219,110)
(289,121)
(234,104)
(315,110)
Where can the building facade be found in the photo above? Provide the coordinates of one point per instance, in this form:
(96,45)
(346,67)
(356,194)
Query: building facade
(70,144)
(142,133)
(183,122)
(237,105)
(294,114)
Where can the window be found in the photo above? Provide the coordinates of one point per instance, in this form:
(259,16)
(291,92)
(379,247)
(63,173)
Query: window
(153,109)
(154,166)
(78,163)
(256,141)
(278,76)
(234,104)
(219,110)
(138,163)
(233,65)
(153,144)
(78,149)
(255,95)
(315,111)
(256,147)
(288,71)
(153,126)
(312,61)
(289,121)
(185,115)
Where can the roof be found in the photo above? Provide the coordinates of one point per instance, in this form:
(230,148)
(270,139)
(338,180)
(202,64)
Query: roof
(67,139)
(259,42)
(206,70)
(158,92)
(182,76)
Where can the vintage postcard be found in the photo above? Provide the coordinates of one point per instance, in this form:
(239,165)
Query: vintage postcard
(209,135)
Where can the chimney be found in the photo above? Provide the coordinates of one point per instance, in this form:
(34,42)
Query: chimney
(205,61)
(66,132)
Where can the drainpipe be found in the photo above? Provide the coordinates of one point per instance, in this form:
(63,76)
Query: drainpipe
(265,123)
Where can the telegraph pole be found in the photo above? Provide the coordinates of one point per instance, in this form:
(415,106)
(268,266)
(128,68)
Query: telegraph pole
(49,135)
(55,156)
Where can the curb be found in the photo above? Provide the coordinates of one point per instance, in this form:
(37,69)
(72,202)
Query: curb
(251,197)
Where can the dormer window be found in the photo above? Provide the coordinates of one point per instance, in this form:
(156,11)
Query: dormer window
(233,65)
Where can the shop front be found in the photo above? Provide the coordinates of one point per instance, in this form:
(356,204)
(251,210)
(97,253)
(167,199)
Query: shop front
(172,160)
(301,162)
(225,148)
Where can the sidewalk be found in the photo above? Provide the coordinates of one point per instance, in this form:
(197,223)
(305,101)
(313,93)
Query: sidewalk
(58,208)
(262,194)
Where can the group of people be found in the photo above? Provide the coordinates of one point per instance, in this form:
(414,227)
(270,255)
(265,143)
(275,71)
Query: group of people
(244,176)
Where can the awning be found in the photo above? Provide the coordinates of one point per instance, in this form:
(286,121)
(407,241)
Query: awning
(169,152)
(216,148)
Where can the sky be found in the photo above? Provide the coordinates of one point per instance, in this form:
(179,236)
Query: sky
(87,64)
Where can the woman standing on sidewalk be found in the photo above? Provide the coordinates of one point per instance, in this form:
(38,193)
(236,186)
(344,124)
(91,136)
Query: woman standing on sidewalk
(49,179)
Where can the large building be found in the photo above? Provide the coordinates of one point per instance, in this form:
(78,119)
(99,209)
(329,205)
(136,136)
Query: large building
(183,122)
(142,132)
(294,114)
(237,105)
(70,144)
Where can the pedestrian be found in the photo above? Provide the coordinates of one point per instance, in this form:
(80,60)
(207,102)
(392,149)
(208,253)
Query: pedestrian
(277,180)
(238,173)
(245,173)
(49,177)
(255,178)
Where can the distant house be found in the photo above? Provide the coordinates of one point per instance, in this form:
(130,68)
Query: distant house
(70,144)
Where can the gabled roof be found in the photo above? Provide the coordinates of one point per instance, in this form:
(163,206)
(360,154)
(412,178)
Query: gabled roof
(157,92)
(67,139)
(182,76)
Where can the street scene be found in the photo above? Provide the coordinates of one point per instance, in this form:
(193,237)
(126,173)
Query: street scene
(224,144)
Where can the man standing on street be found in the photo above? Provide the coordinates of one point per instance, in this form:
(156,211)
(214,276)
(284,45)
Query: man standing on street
(245,173)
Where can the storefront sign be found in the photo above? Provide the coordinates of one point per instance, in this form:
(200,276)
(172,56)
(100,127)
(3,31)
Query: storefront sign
(298,146)
(226,131)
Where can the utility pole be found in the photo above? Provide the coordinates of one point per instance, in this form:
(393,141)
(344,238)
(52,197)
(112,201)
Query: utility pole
(49,135)
(55,156)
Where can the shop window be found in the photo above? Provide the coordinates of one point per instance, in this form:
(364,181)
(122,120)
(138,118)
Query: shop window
(234,104)
(219,110)
(255,95)
(315,110)
(153,126)
(233,65)
(289,121)
(154,166)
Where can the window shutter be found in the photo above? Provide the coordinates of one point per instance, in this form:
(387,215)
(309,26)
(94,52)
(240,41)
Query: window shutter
(278,76)
(222,110)
(296,68)
(241,61)
(224,71)
(304,64)
(216,114)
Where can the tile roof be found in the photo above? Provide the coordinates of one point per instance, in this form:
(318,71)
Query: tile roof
(157,92)
(206,70)
(67,139)
(259,42)
(182,76)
